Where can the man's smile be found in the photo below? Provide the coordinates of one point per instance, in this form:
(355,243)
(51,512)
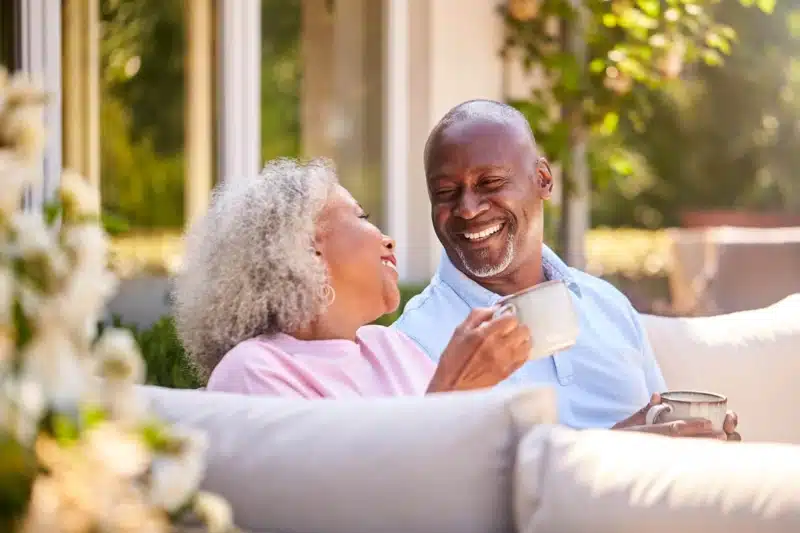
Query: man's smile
(480,234)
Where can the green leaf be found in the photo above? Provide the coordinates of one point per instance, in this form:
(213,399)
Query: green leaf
(52,211)
(715,40)
(114,225)
(609,20)
(650,7)
(727,32)
(610,122)
(22,326)
(18,469)
(793,23)
(712,58)
(597,66)
(767,6)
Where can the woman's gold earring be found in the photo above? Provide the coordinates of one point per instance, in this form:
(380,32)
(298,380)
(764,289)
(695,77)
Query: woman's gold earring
(328,294)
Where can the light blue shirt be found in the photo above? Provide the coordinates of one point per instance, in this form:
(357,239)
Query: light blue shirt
(605,377)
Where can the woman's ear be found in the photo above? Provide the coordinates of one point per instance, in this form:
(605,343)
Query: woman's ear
(316,245)
(544,178)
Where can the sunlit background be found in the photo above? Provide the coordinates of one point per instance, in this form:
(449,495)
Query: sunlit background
(157,100)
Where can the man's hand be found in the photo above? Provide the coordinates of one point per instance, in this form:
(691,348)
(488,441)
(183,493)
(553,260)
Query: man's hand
(482,352)
(693,427)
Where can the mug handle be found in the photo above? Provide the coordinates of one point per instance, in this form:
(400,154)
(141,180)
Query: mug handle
(654,412)
(505,309)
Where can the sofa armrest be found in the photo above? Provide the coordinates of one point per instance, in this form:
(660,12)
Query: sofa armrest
(603,481)
(753,357)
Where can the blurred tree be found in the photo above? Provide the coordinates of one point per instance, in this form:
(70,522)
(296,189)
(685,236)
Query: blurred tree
(727,138)
(281,76)
(601,62)
(143,91)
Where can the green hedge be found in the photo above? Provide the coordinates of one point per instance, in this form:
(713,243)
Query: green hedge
(168,365)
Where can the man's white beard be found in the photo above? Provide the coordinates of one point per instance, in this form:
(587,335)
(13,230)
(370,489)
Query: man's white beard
(491,270)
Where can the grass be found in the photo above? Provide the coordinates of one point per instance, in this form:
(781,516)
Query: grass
(631,253)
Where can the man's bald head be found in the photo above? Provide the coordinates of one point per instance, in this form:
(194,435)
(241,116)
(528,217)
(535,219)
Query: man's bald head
(477,111)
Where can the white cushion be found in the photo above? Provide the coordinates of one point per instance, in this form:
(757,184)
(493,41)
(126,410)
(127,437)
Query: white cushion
(602,481)
(437,464)
(753,357)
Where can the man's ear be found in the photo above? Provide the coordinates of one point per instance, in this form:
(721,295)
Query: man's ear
(544,178)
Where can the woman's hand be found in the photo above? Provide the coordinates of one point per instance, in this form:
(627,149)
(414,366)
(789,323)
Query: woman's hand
(482,352)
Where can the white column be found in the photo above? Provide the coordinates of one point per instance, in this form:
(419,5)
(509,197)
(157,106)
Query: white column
(81,88)
(199,131)
(239,43)
(40,57)
(396,128)
(448,68)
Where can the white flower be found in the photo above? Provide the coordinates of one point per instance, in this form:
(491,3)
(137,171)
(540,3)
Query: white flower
(79,197)
(123,453)
(121,401)
(33,237)
(89,244)
(215,512)
(51,358)
(79,303)
(45,263)
(21,127)
(6,295)
(117,357)
(22,405)
(175,478)
(7,347)
(15,175)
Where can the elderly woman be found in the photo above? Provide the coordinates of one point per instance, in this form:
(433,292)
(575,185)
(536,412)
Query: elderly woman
(281,278)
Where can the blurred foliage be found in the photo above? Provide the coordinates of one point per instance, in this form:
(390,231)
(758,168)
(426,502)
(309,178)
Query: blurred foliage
(143,100)
(727,137)
(722,133)
(632,47)
(635,51)
(168,365)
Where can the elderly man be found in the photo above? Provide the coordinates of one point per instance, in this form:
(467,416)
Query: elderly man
(487,183)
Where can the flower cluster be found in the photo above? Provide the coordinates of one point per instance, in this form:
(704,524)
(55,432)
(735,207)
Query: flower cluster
(78,451)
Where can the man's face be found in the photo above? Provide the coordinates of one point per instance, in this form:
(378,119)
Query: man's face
(486,189)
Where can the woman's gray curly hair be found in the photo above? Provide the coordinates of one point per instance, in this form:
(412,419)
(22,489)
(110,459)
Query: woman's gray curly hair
(249,267)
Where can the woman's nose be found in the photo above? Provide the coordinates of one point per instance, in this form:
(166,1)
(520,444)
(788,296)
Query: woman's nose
(389,243)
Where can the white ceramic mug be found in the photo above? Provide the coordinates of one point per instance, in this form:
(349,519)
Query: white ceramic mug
(683,404)
(549,313)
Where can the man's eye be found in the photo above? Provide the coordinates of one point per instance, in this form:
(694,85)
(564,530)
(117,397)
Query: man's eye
(443,194)
(493,183)
(365,216)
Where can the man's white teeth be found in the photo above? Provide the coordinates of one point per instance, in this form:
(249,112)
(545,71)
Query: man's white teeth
(389,264)
(483,234)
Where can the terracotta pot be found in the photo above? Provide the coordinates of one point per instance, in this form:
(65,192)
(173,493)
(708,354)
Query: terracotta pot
(741,219)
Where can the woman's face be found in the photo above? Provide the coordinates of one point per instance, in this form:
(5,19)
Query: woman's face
(360,259)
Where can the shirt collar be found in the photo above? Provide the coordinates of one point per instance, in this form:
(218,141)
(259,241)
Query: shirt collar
(476,296)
